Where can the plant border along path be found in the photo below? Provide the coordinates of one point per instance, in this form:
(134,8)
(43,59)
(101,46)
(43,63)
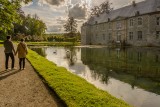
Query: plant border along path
(73,90)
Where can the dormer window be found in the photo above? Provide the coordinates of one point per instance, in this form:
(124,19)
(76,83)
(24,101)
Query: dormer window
(108,19)
(137,13)
(134,3)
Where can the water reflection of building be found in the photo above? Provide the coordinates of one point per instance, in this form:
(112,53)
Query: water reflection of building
(136,66)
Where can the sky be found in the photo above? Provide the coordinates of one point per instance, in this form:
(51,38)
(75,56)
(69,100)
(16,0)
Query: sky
(55,12)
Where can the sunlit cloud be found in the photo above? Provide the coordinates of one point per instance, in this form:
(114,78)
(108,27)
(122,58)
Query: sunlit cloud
(55,12)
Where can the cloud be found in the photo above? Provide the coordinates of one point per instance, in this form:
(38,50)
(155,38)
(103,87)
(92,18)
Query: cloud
(55,28)
(55,2)
(115,3)
(55,12)
(78,11)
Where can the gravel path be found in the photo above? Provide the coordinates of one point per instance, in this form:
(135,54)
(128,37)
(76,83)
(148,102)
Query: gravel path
(24,88)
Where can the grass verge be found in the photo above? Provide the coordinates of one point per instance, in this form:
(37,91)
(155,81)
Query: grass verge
(73,90)
(52,43)
(1,42)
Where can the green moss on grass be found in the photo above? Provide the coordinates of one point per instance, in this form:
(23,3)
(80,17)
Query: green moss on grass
(73,90)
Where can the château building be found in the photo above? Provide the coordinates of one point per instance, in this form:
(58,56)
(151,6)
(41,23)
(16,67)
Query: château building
(137,24)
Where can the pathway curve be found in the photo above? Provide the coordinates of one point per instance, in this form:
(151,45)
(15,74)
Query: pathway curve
(24,88)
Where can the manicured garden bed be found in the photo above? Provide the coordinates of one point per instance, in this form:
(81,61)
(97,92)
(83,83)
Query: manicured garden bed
(73,90)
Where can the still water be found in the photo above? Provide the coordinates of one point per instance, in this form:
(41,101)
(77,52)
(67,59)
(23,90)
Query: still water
(131,74)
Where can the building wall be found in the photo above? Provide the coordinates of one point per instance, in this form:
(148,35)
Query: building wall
(153,38)
(142,32)
(85,35)
(144,28)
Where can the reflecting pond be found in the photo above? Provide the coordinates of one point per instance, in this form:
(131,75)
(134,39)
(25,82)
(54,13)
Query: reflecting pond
(131,74)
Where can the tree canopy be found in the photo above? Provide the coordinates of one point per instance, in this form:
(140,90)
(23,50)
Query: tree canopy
(8,15)
(31,25)
(105,7)
(71,26)
(13,20)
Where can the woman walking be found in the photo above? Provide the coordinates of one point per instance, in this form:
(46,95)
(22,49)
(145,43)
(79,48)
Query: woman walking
(22,52)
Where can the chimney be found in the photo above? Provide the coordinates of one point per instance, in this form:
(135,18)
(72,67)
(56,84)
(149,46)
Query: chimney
(134,3)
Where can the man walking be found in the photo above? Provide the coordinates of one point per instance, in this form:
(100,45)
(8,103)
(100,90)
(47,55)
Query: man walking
(9,49)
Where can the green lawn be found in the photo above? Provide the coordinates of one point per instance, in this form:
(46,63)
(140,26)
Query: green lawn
(73,90)
(1,42)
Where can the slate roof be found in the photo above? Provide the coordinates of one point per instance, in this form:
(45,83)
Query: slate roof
(144,7)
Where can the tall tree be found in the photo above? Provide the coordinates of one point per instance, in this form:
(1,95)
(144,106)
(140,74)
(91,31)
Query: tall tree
(31,26)
(9,14)
(105,7)
(71,26)
(95,11)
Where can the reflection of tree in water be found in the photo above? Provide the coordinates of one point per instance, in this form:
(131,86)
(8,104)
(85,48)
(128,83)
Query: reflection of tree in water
(40,51)
(71,55)
(97,71)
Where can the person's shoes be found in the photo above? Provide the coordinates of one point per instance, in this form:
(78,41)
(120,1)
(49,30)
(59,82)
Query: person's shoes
(13,68)
(7,69)
(24,68)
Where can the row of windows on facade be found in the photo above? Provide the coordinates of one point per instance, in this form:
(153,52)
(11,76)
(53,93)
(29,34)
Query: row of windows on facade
(140,35)
(131,23)
(130,37)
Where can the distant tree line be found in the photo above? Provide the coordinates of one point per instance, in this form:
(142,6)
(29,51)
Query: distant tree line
(63,37)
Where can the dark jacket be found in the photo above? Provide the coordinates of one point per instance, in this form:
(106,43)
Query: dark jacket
(8,45)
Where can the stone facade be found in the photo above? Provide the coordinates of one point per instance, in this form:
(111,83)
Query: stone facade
(139,29)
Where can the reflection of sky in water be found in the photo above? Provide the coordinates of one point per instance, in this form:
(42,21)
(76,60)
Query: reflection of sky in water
(136,97)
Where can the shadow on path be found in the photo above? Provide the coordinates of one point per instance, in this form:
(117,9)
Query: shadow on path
(7,75)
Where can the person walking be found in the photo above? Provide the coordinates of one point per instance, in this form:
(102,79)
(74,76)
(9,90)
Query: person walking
(8,50)
(22,52)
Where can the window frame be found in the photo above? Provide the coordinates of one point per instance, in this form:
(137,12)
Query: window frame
(119,25)
(158,21)
(157,34)
(130,35)
(131,22)
(140,21)
(119,36)
(140,35)
(104,36)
